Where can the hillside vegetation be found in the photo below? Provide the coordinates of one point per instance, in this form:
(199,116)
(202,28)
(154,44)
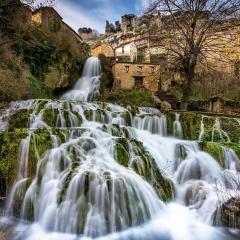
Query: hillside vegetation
(35,61)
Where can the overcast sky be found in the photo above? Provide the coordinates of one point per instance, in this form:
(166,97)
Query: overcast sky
(94,13)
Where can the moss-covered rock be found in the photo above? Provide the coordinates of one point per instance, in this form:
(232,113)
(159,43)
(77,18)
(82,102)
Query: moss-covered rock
(122,151)
(61,118)
(97,115)
(20,119)
(10,143)
(129,98)
(228,214)
(216,128)
(170,116)
(234,146)
(215,150)
(232,127)
(9,153)
(191,123)
(131,153)
(40,143)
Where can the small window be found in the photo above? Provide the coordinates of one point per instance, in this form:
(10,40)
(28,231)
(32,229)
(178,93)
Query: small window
(138,83)
(152,69)
(140,68)
(126,69)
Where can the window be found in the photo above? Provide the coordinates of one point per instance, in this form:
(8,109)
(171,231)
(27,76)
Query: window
(126,69)
(138,83)
(140,68)
(152,69)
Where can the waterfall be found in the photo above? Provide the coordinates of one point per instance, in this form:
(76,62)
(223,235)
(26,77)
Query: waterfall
(177,128)
(153,124)
(217,132)
(231,160)
(105,171)
(201,130)
(87,87)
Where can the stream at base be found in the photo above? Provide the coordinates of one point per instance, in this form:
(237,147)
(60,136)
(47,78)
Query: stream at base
(113,172)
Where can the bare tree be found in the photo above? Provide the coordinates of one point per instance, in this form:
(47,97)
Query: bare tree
(194,31)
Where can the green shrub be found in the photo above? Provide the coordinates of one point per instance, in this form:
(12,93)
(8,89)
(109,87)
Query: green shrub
(130,97)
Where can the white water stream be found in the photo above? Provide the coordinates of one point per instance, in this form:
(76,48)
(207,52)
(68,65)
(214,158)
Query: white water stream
(87,87)
(81,191)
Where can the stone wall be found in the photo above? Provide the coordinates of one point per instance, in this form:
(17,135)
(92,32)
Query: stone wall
(102,49)
(49,18)
(127,73)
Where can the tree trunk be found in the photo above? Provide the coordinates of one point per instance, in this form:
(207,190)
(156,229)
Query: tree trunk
(189,73)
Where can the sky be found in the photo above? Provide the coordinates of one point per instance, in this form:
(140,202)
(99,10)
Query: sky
(94,13)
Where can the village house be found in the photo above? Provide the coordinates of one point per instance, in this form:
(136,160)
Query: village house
(136,76)
(48,17)
(138,49)
(103,49)
(128,23)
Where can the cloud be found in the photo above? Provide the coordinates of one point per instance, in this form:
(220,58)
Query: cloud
(76,17)
(94,13)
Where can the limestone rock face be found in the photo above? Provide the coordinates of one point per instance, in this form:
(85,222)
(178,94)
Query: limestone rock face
(228,214)
(165,106)
(238,165)
(157,101)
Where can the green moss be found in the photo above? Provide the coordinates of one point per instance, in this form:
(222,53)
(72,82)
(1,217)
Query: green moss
(127,118)
(40,142)
(62,193)
(129,97)
(9,150)
(234,146)
(231,127)
(113,129)
(144,165)
(18,199)
(41,104)
(133,110)
(191,125)
(99,115)
(170,116)
(19,119)
(122,152)
(215,150)
(51,117)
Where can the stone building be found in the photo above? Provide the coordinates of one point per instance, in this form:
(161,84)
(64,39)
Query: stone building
(128,23)
(49,18)
(215,104)
(25,14)
(109,28)
(137,44)
(102,49)
(136,76)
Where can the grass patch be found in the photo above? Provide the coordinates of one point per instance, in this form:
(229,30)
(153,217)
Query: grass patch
(129,97)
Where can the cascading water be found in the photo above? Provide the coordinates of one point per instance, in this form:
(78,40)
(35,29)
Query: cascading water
(87,87)
(177,128)
(108,172)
